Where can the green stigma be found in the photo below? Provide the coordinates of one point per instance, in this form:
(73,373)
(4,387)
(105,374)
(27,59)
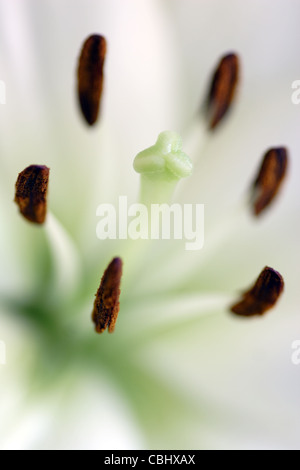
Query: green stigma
(161,167)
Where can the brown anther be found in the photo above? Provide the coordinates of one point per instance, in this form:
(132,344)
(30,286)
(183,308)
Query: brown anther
(107,305)
(262,296)
(269,179)
(223,89)
(90,76)
(31,193)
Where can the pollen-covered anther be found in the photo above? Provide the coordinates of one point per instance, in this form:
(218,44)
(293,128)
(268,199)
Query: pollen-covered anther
(90,77)
(107,305)
(269,179)
(31,193)
(223,89)
(262,296)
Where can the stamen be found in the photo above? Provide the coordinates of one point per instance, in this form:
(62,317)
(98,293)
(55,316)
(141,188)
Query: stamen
(269,179)
(262,296)
(161,167)
(65,261)
(90,77)
(107,306)
(31,193)
(223,89)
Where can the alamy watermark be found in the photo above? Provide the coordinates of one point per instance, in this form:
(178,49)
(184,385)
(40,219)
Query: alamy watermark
(295,97)
(158,221)
(2,92)
(296,354)
(2,353)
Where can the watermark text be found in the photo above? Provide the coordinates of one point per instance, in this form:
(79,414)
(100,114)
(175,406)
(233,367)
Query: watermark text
(296,354)
(159,221)
(295,97)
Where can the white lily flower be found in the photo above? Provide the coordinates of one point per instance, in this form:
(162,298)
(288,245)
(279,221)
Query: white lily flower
(181,370)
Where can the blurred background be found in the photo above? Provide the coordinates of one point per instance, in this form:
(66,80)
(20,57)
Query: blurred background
(180,372)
